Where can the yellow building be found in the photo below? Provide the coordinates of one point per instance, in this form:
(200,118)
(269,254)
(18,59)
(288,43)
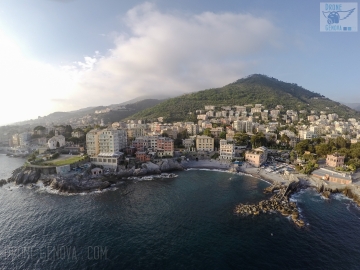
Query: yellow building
(204,143)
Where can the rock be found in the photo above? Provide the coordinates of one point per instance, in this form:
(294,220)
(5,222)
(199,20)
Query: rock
(2,182)
(151,168)
(326,194)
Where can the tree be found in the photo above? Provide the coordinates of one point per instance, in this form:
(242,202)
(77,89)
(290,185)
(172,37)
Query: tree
(164,134)
(241,138)
(222,135)
(258,140)
(207,132)
(322,149)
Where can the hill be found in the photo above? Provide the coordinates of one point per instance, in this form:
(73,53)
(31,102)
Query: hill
(117,112)
(355,106)
(254,89)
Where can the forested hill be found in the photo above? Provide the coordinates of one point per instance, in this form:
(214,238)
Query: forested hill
(254,89)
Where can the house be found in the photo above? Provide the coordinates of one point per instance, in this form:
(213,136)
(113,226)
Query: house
(335,160)
(143,156)
(257,157)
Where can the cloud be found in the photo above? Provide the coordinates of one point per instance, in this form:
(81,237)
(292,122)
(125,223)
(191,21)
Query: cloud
(160,53)
(172,53)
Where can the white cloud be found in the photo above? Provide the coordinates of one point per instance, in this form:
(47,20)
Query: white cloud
(175,54)
(160,53)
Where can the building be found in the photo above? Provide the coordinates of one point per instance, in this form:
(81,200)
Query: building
(204,143)
(216,131)
(78,133)
(92,142)
(107,160)
(192,129)
(165,146)
(112,140)
(331,176)
(257,157)
(143,156)
(188,143)
(135,132)
(335,160)
(105,141)
(56,142)
(145,143)
(227,150)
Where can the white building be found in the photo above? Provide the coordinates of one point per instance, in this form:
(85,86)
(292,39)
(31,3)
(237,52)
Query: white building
(56,142)
(227,150)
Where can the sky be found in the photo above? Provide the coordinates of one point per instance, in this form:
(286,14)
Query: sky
(64,55)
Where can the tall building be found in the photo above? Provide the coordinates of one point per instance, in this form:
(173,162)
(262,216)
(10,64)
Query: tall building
(165,146)
(227,150)
(105,141)
(92,142)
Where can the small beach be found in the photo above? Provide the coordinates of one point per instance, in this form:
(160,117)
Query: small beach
(227,166)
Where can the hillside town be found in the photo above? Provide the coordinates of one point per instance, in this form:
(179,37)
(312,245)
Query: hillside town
(250,133)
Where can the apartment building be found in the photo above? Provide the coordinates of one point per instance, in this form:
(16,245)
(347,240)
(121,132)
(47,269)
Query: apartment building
(105,141)
(165,146)
(204,143)
(227,150)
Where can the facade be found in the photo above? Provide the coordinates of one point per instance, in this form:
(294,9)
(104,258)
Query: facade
(145,142)
(142,156)
(188,143)
(227,150)
(331,176)
(107,160)
(56,141)
(257,157)
(135,132)
(335,160)
(77,133)
(105,141)
(216,131)
(92,142)
(204,143)
(165,146)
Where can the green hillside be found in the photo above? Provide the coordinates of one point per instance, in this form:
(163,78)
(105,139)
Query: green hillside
(250,90)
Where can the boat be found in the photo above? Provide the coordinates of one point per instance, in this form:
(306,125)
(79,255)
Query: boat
(168,175)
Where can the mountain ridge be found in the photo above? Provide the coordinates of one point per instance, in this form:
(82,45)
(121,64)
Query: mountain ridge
(253,89)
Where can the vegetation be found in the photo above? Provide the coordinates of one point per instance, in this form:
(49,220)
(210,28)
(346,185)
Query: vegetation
(251,90)
(61,162)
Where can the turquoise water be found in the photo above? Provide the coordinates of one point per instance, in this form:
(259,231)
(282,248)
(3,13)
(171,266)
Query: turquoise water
(181,223)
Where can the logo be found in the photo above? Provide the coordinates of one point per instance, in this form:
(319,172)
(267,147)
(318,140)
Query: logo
(338,17)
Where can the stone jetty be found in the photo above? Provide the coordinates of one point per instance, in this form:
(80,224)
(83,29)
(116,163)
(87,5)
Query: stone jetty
(279,202)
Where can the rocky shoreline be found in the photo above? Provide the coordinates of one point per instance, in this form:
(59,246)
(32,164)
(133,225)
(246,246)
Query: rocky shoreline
(279,202)
(85,182)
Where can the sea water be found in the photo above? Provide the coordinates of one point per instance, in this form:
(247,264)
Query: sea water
(186,222)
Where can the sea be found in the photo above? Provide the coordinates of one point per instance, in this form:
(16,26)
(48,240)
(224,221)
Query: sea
(186,222)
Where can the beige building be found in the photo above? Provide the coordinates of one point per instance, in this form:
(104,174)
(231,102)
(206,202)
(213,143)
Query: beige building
(105,141)
(135,132)
(335,160)
(257,157)
(204,143)
(92,142)
(227,150)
